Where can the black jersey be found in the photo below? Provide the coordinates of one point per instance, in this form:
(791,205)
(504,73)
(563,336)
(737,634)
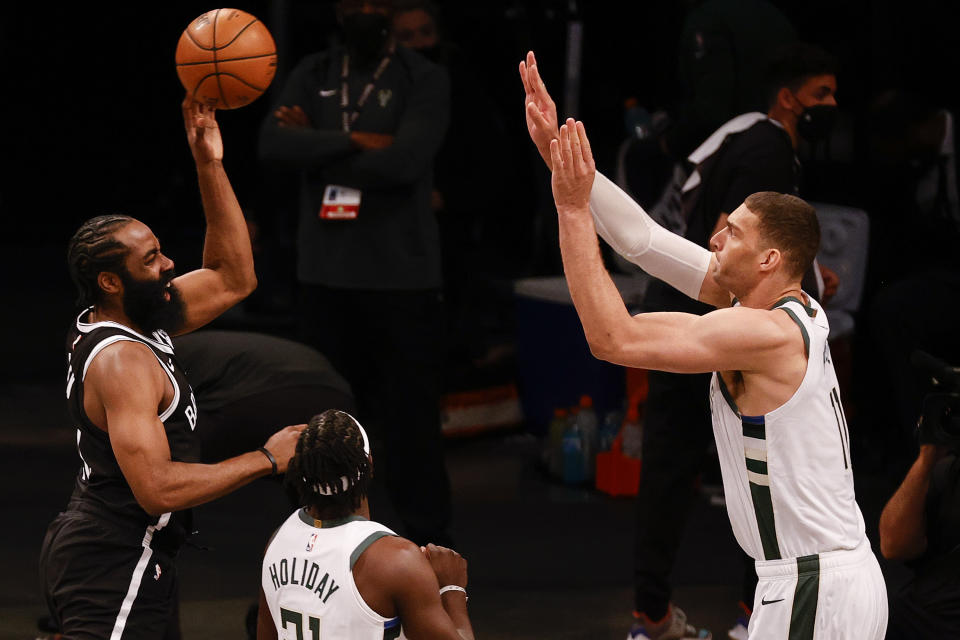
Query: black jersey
(100,484)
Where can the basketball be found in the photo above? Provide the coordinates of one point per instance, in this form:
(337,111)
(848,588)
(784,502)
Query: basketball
(226,58)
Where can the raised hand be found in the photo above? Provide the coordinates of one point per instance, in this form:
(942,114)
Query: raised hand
(203,132)
(539,108)
(573,169)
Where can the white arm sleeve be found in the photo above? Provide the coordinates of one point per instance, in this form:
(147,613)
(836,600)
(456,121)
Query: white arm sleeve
(626,227)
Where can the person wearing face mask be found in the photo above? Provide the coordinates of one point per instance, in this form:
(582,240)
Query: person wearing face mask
(752,152)
(470,219)
(361,123)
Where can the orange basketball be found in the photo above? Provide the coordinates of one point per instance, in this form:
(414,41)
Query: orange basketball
(226,58)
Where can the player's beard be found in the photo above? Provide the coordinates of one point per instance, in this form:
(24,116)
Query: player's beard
(146,305)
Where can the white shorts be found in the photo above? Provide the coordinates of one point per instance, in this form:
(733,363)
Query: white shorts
(836,595)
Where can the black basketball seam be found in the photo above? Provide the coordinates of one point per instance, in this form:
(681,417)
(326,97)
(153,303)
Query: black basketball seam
(232,40)
(191,64)
(224,73)
(194,41)
(215,47)
(216,67)
(239,79)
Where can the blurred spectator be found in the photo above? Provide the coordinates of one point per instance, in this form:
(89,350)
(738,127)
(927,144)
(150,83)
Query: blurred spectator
(921,525)
(362,122)
(470,218)
(914,275)
(724,48)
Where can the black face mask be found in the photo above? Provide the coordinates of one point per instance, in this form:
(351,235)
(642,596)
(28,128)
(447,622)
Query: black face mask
(366,34)
(434,53)
(816,122)
(146,305)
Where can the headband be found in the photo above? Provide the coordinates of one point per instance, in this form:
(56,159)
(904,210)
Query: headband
(328,490)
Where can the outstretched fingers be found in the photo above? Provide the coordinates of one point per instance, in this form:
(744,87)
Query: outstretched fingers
(586,151)
(555,157)
(537,116)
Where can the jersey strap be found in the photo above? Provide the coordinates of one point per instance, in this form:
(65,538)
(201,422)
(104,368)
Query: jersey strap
(810,311)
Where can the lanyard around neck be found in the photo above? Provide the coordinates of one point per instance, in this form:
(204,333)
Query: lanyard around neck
(349,117)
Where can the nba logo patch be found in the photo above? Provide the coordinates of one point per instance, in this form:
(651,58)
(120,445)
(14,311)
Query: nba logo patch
(311,542)
(156,572)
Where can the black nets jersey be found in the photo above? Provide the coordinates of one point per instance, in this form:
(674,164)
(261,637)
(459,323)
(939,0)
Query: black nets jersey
(100,484)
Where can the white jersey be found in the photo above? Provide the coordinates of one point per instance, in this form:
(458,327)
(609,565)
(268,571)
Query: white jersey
(787,476)
(307,578)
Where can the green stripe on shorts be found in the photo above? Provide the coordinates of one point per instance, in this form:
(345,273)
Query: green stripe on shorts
(804,613)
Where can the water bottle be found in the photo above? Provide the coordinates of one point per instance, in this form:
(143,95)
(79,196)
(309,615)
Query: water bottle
(587,420)
(609,429)
(633,434)
(558,425)
(574,471)
(637,120)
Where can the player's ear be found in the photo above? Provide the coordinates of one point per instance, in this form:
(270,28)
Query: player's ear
(770,259)
(109,283)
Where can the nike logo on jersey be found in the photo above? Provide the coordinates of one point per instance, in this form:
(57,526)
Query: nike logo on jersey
(765,601)
(326,93)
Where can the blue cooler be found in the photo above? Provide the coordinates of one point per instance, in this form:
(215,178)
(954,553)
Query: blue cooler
(554,363)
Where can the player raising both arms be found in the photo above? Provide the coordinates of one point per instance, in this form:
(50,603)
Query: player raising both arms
(777,420)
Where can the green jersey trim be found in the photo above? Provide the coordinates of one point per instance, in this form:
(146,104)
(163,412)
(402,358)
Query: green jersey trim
(804,613)
(810,310)
(369,540)
(803,329)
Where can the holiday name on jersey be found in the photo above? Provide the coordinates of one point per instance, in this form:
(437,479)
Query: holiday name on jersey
(296,572)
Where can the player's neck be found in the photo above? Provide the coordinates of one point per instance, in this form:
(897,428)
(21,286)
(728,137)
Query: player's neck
(363,512)
(764,297)
(108,313)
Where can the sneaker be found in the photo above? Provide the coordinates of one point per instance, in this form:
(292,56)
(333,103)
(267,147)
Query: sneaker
(739,630)
(673,627)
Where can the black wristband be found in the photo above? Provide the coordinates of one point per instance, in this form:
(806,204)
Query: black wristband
(273,461)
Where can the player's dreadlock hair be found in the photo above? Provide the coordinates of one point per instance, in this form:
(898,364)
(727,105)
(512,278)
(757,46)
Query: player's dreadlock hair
(93,249)
(330,470)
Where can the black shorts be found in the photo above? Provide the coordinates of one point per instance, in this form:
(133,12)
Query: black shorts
(102,582)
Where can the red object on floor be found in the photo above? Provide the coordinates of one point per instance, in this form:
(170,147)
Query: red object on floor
(617,474)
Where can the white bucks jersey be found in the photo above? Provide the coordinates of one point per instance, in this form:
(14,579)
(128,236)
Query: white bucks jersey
(307,580)
(787,474)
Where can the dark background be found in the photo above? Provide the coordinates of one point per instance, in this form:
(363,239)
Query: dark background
(91,124)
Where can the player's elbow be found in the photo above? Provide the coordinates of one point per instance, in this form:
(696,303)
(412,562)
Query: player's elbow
(896,545)
(248,285)
(604,346)
(153,502)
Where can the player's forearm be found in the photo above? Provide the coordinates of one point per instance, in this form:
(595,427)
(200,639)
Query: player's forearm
(226,247)
(627,228)
(596,298)
(455,604)
(175,486)
(903,523)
